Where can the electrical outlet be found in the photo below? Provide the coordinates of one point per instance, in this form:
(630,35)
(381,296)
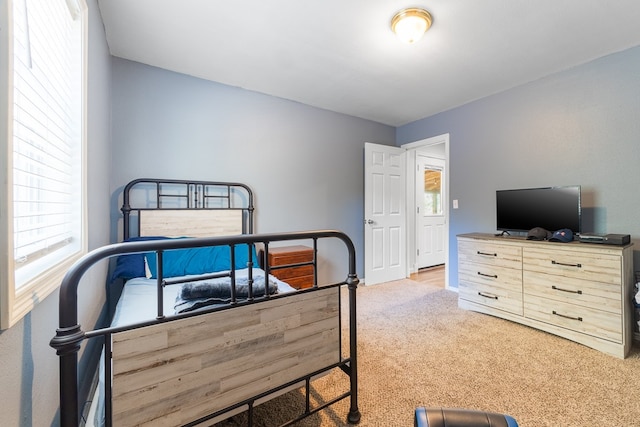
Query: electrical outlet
(455,204)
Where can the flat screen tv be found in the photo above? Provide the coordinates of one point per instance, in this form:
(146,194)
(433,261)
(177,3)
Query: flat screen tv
(552,208)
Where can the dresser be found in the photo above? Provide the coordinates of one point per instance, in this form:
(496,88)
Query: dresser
(579,291)
(281,257)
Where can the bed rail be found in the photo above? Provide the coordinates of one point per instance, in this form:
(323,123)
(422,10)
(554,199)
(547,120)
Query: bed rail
(70,334)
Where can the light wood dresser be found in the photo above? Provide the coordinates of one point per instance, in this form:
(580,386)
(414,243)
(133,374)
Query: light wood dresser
(579,291)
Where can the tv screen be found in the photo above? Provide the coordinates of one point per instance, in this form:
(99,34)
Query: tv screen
(552,208)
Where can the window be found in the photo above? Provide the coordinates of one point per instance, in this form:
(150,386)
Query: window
(44,203)
(432,191)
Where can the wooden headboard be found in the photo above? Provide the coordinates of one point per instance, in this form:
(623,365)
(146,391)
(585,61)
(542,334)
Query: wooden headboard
(175,208)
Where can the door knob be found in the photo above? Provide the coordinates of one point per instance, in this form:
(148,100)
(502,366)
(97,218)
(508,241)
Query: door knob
(369,221)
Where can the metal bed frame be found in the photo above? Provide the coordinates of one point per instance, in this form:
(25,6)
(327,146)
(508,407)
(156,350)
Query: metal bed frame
(193,196)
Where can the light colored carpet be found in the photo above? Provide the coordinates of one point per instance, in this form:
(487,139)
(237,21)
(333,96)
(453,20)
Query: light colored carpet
(416,347)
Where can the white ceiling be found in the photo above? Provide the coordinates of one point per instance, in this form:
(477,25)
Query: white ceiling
(341,55)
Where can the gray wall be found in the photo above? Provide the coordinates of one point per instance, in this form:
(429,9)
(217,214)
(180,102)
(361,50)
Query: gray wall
(580,126)
(28,366)
(304,164)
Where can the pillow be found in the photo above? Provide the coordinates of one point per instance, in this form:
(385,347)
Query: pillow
(193,261)
(180,262)
(241,254)
(132,265)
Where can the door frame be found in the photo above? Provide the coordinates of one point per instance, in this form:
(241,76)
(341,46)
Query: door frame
(412,148)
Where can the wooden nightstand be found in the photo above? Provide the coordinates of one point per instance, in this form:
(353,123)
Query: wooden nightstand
(298,277)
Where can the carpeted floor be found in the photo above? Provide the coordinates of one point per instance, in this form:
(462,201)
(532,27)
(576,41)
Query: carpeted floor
(415,347)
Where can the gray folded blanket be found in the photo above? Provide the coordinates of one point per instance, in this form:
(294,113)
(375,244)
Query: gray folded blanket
(203,293)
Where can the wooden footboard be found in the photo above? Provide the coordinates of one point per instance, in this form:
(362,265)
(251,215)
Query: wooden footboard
(178,372)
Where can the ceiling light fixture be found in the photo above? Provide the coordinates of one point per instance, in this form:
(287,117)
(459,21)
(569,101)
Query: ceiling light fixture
(411,24)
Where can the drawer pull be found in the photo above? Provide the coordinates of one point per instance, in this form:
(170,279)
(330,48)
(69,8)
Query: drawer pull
(493,276)
(485,295)
(566,290)
(565,264)
(486,253)
(567,317)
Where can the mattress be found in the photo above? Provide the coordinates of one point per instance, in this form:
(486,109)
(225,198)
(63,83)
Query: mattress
(138,300)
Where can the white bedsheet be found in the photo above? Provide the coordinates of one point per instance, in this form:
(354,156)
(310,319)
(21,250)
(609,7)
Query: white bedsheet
(138,300)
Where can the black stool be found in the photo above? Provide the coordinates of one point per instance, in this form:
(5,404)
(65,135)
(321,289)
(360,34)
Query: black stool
(453,417)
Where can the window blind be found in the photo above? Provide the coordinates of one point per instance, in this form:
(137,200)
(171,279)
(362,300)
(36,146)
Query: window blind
(47,124)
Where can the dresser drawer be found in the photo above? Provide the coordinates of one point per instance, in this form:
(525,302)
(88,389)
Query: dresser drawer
(493,286)
(597,323)
(490,254)
(596,267)
(596,295)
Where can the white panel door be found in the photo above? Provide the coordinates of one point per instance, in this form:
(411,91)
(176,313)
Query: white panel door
(384,228)
(431,215)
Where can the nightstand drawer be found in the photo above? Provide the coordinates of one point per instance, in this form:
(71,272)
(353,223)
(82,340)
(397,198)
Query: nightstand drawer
(298,277)
(293,272)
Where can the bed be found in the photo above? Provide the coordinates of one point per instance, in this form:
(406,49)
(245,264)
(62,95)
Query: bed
(201,328)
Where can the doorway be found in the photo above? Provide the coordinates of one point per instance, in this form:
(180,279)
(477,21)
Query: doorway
(428,204)
(430,218)
(391,206)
